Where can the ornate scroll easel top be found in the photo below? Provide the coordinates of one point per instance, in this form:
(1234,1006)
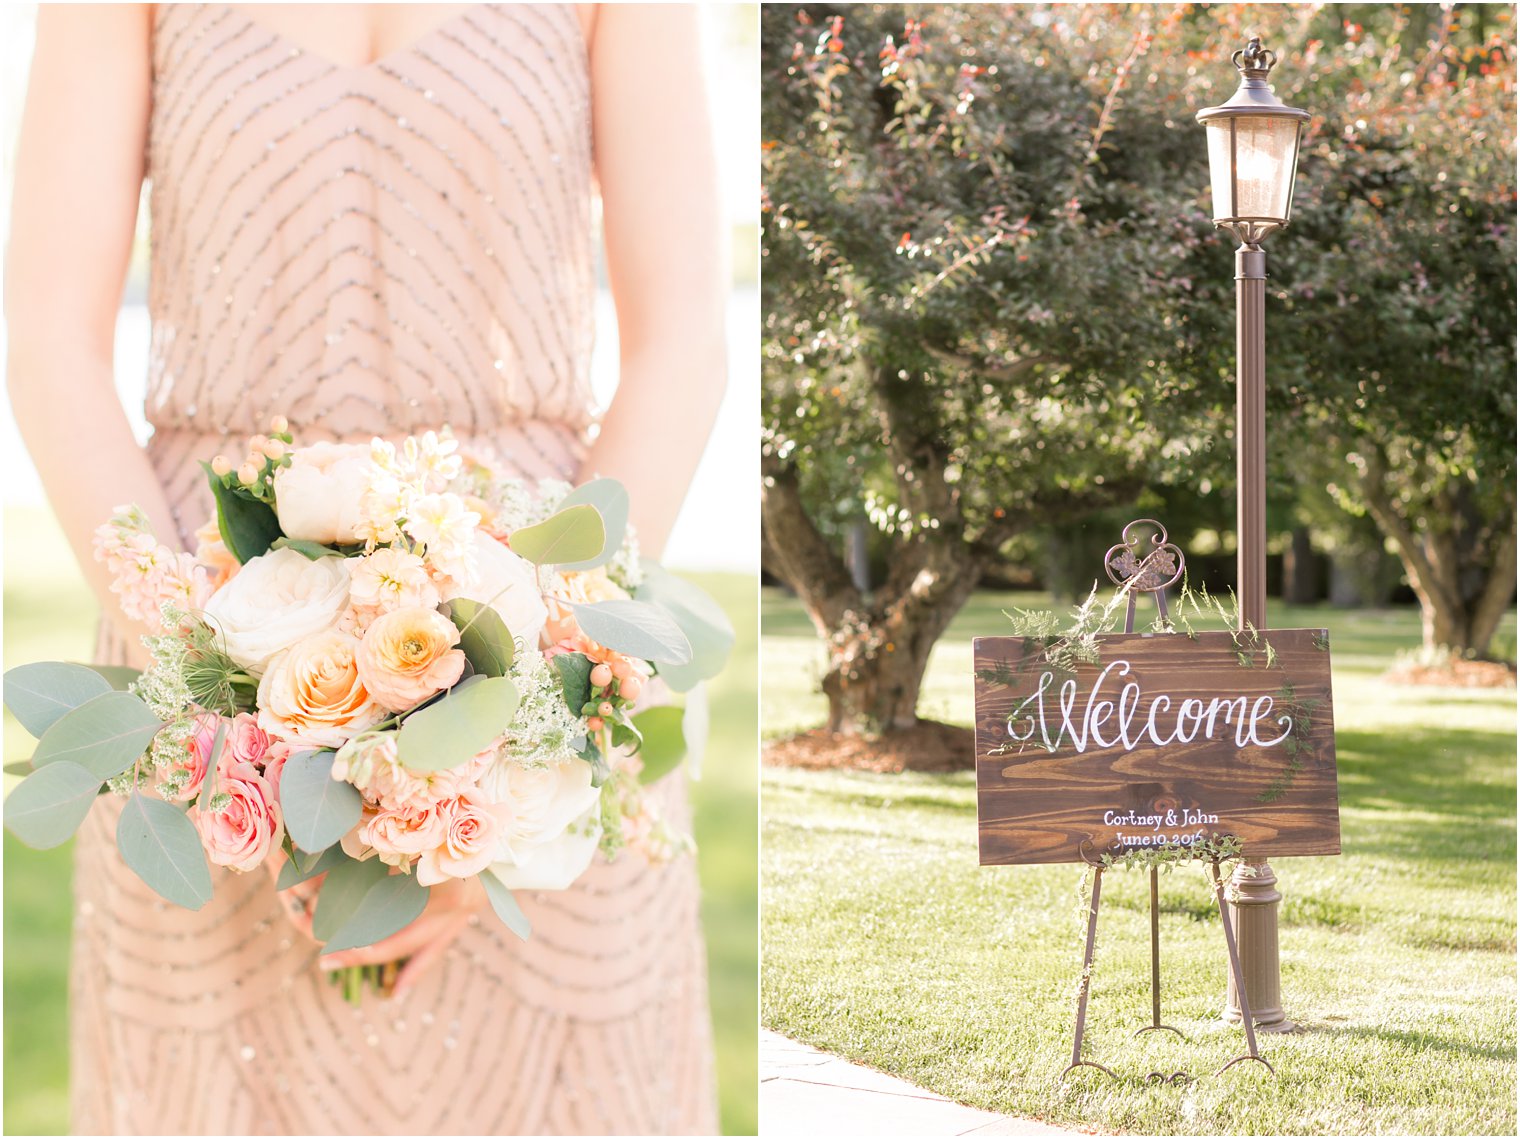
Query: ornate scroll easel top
(1144,564)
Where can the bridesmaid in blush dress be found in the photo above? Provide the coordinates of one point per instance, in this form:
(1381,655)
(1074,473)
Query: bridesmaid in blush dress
(374,220)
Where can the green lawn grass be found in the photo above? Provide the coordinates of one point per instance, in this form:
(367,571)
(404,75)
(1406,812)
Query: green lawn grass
(886,943)
(48,615)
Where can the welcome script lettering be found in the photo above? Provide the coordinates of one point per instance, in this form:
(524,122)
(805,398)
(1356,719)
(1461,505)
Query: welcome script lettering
(1082,717)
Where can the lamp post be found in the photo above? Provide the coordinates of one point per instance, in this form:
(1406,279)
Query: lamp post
(1253,156)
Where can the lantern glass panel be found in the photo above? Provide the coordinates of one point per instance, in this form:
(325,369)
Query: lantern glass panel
(1262,168)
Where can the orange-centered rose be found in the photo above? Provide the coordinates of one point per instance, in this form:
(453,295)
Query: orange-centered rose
(312,694)
(408,655)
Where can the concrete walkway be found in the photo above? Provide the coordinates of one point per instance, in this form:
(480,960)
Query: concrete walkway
(806,1092)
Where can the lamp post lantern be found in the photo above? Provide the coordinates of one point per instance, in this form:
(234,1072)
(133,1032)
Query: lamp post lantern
(1253,157)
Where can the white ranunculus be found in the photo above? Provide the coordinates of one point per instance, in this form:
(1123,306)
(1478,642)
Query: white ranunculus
(508,584)
(318,496)
(274,601)
(556,822)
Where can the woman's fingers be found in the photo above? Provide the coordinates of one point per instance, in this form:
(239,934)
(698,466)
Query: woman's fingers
(403,944)
(424,958)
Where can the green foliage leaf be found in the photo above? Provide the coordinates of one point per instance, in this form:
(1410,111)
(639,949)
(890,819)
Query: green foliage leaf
(570,535)
(505,905)
(38,694)
(611,502)
(163,848)
(459,726)
(319,810)
(636,628)
(387,907)
(575,676)
(248,527)
(298,870)
(47,806)
(664,742)
(104,735)
(483,636)
(342,891)
(306,547)
(118,676)
(21,767)
(701,620)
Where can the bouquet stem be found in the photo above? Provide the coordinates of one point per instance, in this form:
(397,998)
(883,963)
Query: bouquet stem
(354,980)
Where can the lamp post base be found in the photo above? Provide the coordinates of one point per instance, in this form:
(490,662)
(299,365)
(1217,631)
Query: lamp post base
(1253,899)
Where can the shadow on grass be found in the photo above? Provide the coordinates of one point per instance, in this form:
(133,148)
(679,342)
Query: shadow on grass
(1416,1042)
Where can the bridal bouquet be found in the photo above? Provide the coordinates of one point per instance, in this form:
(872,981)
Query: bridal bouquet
(389,665)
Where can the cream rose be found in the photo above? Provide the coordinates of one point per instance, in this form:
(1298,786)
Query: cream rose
(242,833)
(508,584)
(318,497)
(555,822)
(472,832)
(277,599)
(312,693)
(408,655)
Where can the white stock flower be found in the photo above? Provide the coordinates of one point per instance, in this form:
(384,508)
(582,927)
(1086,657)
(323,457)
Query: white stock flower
(443,524)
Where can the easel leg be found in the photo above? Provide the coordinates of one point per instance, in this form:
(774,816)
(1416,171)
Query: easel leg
(1085,986)
(1155,1025)
(1245,1008)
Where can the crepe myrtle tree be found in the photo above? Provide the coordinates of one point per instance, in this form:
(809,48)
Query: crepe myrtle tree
(978,280)
(1397,291)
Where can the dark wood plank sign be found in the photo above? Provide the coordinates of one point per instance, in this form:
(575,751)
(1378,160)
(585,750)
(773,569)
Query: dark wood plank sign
(1168,740)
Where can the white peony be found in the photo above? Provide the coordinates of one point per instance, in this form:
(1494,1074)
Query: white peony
(319,496)
(555,822)
(508,584)
(276,600)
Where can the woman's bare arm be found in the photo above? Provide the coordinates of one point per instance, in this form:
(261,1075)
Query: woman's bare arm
(79,171)
(665,255)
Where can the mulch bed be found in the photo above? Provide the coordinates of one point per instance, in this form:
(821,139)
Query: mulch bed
(927,746)
(1454,674)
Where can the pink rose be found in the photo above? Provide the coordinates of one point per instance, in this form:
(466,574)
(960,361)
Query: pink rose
(472,829)
(241,834)
(274,764)
(400,836)
(408,655)
(181,780)
(246,741)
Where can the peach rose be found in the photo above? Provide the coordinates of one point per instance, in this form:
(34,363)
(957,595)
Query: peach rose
(242,833)
(408,655)
(312,694)
(472,833)
(398,837)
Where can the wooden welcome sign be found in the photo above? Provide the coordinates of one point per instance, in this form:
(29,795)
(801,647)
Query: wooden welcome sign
(1168,740)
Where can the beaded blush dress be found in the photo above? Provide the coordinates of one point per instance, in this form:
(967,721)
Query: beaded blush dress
(378,250)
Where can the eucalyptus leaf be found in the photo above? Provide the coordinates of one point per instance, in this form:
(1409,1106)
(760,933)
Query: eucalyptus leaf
(47,806)
(634,628)
(388,907)
(319,810)
(611,502)
(248,526)
(118,676)
(575,677)
(162,848)
(664,743)
(104,735)
(38,694)
(20,767)
(569,535)
(702,620)
(296,871)
(505,905)
(342,891)
(483,636)
(458,727)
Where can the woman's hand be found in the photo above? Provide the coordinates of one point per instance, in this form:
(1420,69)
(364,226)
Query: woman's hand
(450,908)
(299,901)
